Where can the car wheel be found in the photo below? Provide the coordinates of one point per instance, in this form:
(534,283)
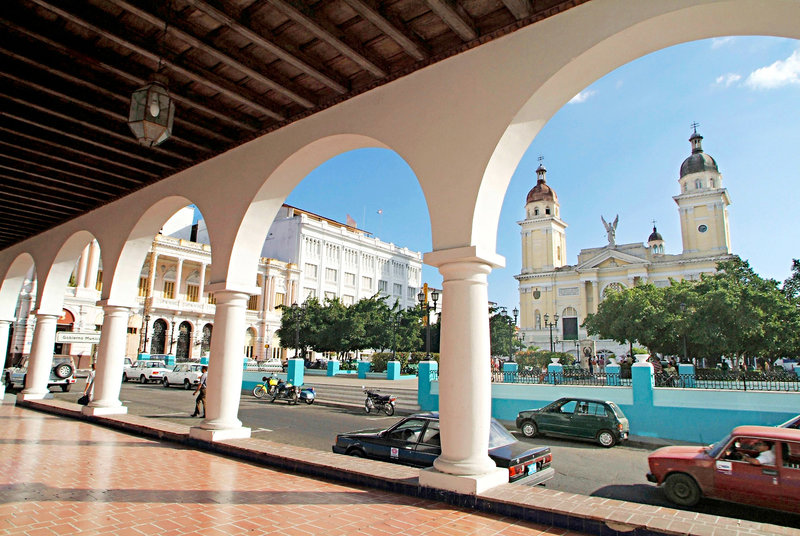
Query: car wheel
(124,377)
(682,489)
(606,439)
(388,409)
(63,371)
(358,453)
(529,429)
(142,379)
(187,385)
(165,382)
(66,387)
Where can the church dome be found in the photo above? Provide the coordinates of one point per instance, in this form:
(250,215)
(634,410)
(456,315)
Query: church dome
(655,235)
(698,161)
(541,192)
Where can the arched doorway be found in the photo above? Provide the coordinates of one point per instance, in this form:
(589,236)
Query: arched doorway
(205,346)
(184,348)
(249,342)
(159,336)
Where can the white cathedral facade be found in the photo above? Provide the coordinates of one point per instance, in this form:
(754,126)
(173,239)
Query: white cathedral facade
(556,296)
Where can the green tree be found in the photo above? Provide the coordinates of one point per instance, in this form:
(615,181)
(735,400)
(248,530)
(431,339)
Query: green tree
(502,333)
(791,287)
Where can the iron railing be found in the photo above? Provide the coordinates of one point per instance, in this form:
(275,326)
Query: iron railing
(567,377)
(751,380)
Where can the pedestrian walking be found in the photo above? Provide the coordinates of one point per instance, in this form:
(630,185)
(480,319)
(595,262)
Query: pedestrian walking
(88,391)
(201,394)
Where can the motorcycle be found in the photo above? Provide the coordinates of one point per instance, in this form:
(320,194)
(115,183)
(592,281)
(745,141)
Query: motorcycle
(379,402)
(267,388)
(286,391)
(308,395)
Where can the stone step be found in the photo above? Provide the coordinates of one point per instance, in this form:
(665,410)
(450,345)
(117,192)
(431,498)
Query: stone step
(353,396)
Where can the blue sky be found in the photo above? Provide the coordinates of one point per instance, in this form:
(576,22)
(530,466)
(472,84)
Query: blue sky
(616,148)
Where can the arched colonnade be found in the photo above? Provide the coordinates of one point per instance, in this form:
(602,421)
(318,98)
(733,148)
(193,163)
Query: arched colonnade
(462,126)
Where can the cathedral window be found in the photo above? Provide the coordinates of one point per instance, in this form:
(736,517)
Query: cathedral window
(698,184)
(538,317)
(685,187)
(547,210)
(711,182)
(536,212)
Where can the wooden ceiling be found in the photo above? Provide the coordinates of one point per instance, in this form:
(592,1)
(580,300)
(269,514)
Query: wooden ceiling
(235,68)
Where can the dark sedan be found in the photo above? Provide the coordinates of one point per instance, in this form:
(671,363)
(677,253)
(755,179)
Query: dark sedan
(580,418)
(415,441)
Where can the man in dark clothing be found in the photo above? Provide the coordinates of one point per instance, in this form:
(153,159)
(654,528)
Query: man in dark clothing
(201,398)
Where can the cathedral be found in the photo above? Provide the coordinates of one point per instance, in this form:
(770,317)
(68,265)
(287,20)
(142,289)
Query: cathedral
(555,297)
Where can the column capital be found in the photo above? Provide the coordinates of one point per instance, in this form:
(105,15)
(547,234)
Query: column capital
(475,254)
(45,314)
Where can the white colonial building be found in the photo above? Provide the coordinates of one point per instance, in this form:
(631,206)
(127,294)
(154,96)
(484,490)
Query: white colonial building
(305,255)
(556,297)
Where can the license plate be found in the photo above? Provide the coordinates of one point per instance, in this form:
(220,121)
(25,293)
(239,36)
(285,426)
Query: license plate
(532,468)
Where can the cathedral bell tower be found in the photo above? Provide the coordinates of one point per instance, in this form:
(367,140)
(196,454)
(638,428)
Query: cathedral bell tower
(703,204)
(544,242)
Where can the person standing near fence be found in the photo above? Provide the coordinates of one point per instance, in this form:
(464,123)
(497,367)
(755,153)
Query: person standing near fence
(201,397)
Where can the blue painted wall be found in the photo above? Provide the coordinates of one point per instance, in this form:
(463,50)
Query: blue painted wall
(696,415)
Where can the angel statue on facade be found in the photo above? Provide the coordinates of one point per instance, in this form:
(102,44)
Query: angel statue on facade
(611,229)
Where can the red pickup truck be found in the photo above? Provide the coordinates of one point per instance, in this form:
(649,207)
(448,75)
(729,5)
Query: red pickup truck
(755,465)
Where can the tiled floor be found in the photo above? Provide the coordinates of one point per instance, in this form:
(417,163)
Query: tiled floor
(61,477)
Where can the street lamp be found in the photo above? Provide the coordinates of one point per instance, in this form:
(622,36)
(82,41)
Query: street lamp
(297,316)
(683,311)
(143,343)
(516,315)
(428,308)
(395,321)
(551,325)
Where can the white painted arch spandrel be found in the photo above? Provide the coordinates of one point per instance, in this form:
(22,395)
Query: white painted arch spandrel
(11,284)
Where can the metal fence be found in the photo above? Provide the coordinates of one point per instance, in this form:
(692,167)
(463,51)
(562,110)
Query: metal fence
(567,377)
(736,380)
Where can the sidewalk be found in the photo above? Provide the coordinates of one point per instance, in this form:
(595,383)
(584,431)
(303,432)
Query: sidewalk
(69,475)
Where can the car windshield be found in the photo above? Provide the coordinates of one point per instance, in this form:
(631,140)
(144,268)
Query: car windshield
(715,449)
(499,436)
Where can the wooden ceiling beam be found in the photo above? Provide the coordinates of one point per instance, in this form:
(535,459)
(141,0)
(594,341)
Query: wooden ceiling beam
(293,58)
(28,215)
(41,182)
(242,65)
(519,8)
(76,151)
(197,74)
(189,102)
(17,148)
(20,202)
(392,30)
(330,34)
(455,17)
(40,198)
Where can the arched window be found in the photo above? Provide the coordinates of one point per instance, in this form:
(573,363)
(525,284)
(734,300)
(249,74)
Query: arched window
(249,342)
(569,312)
(686,187)
(711,182)
(538,318)
(159,336)
(184,347)
(205,346)
(536,211)
(698,184)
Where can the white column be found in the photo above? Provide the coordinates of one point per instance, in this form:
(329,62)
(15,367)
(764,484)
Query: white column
(201,299)
(151,277)
(178,276)
(464,375)
(41,357)
(5,325)
(225,370)
(93,265)
(108,369)
(80,276)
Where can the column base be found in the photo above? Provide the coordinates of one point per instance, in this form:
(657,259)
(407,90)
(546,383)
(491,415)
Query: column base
(204,434)
(99,410)
(466,484)
(23,397)
(2,392)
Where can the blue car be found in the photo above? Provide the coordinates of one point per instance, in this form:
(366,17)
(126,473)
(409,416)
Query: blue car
(415,441)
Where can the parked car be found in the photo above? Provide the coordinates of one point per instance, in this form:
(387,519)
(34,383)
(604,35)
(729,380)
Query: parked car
(788,364)
(145,370)
(794,422)
(62,373)
(726,470)
(184,374)
(270,365)
(581,418)
(415,441)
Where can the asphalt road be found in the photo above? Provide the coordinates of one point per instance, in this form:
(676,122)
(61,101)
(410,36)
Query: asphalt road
(584,468)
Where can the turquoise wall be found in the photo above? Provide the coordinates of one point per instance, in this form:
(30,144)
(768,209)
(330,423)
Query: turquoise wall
(696,415)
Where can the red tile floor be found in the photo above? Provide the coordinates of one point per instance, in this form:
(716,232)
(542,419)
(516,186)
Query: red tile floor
(62,476)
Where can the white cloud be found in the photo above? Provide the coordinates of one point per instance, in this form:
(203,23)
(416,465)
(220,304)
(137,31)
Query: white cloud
(583,96)
(728,80)
(720,42)
(781,73)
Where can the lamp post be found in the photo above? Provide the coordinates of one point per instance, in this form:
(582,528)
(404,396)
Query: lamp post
(395,321)
(551,325)
(683,313)
(513,329)
(143,344)
(171,335)
(428,308)
(297,316)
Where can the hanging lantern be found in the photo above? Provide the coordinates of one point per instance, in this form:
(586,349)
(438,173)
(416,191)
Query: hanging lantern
(152,112)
